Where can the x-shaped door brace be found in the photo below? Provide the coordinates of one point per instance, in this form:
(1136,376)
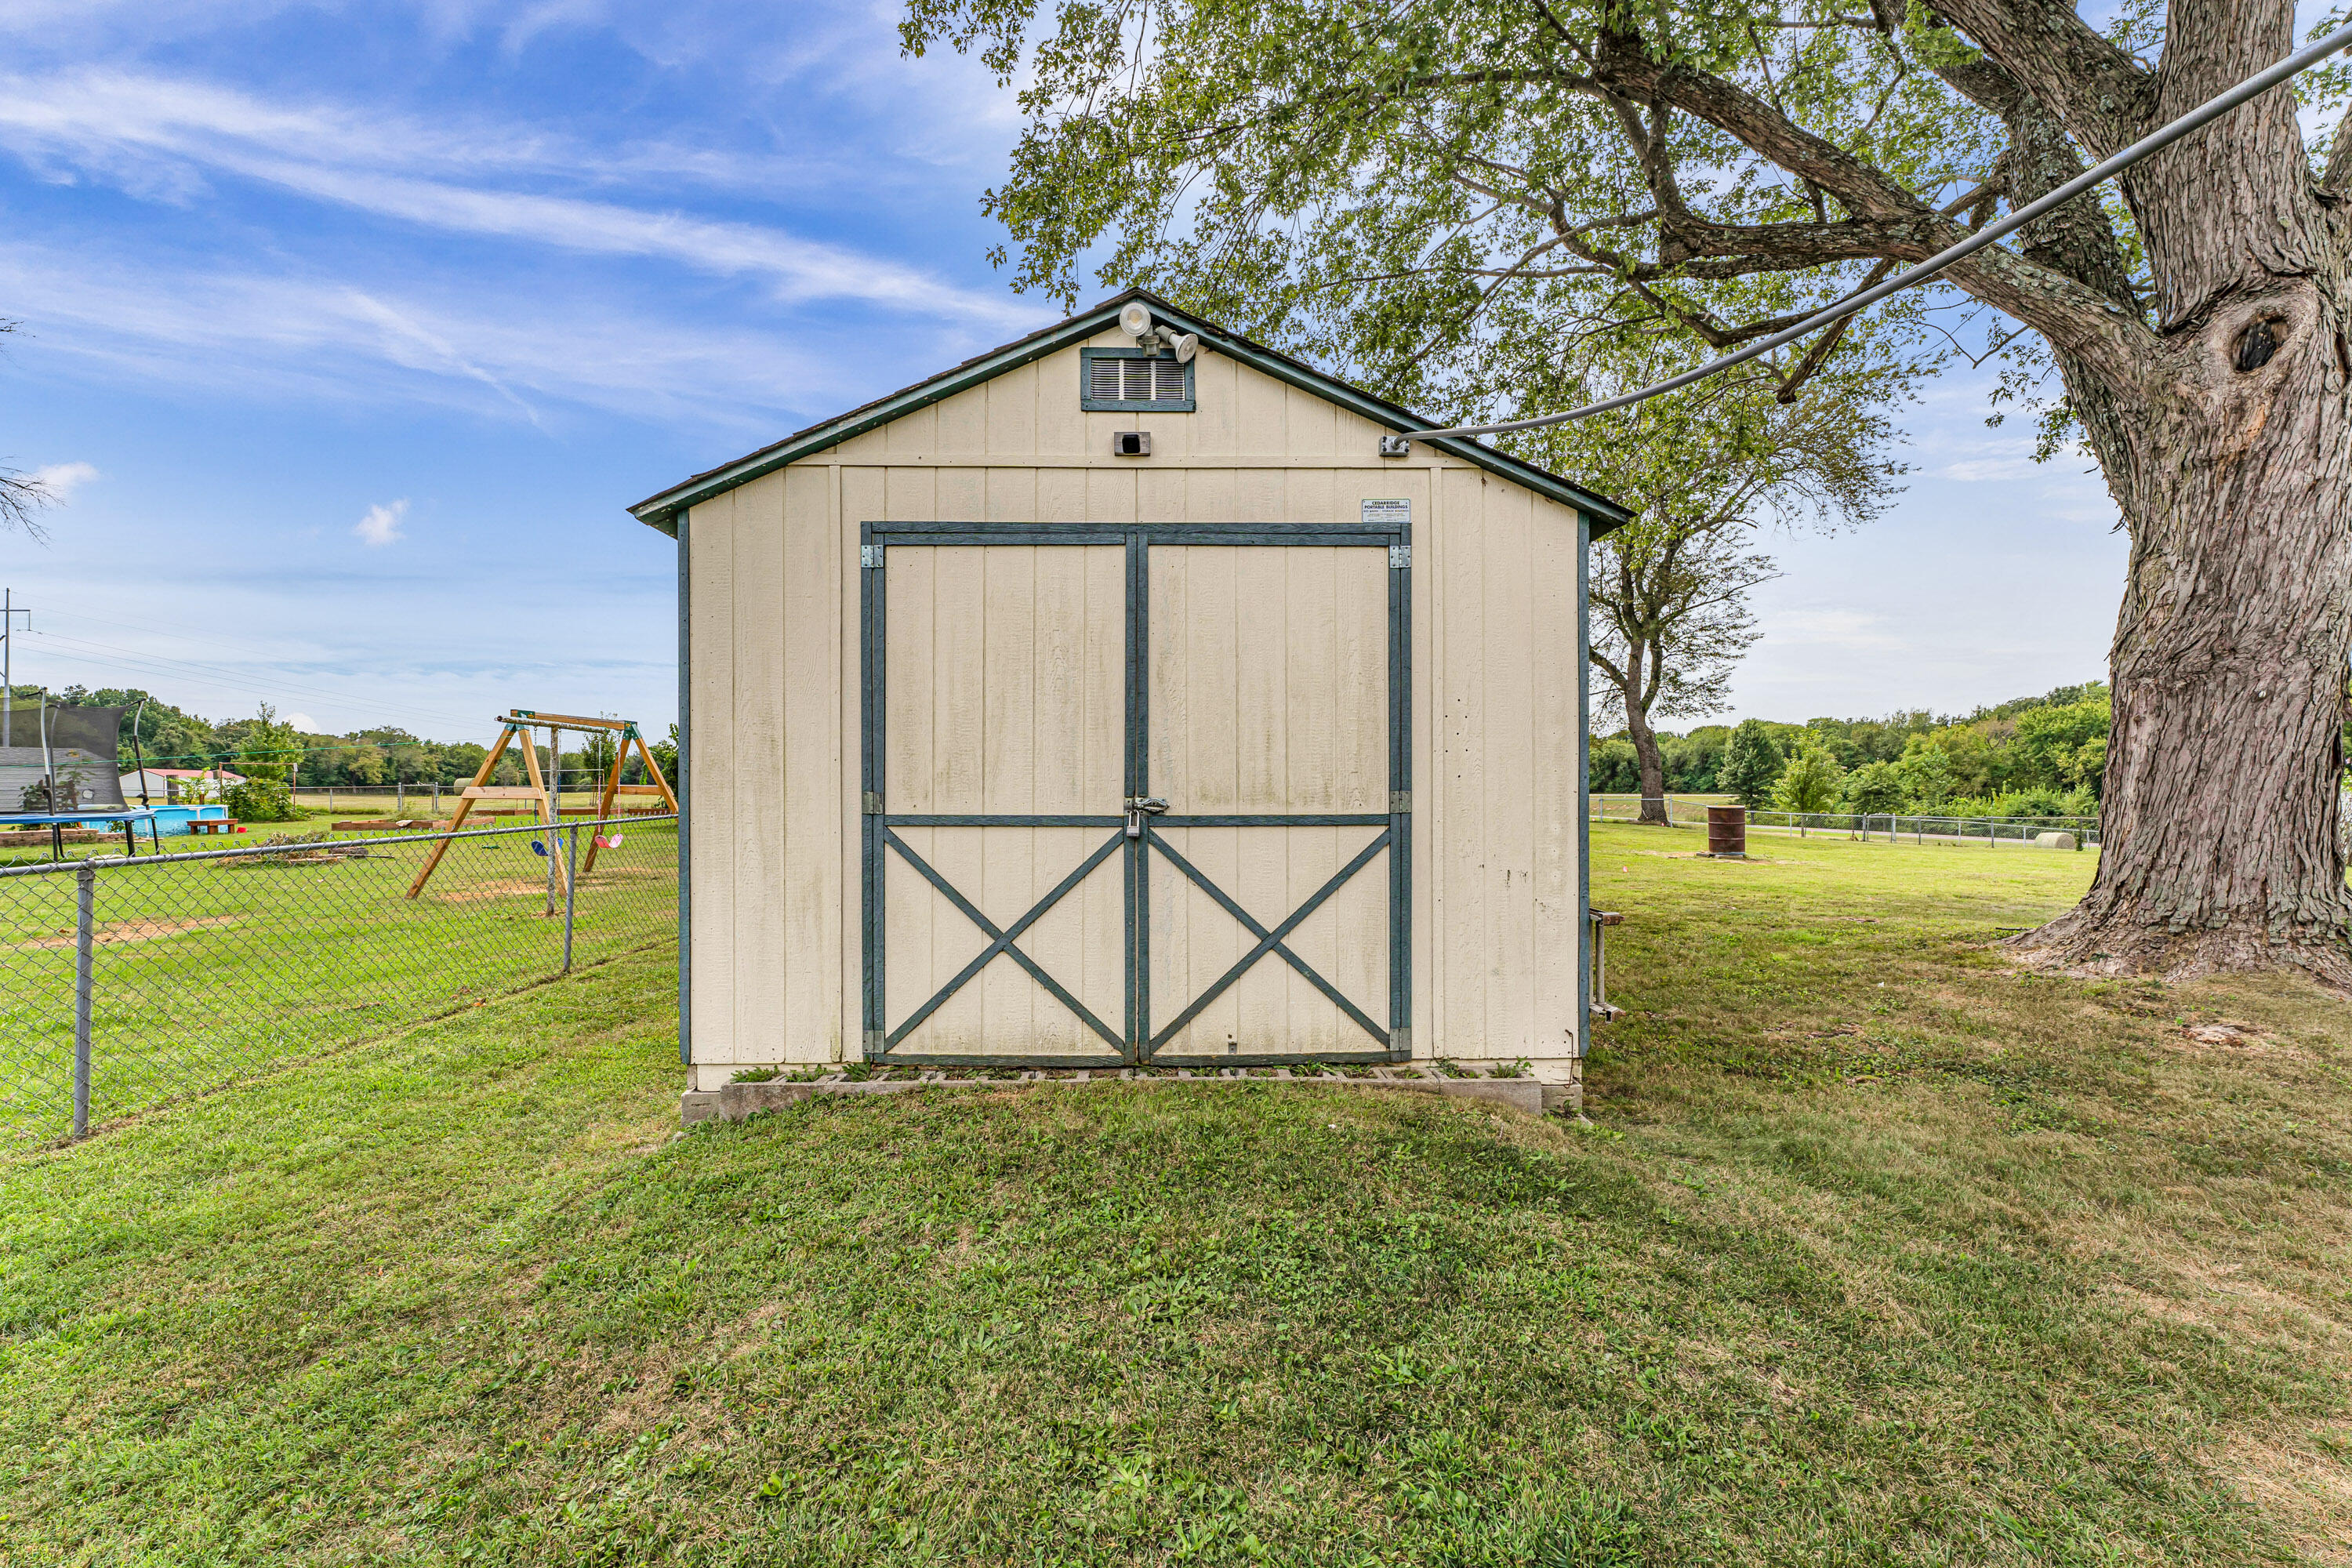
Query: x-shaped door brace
(1001,939)
(1269,941)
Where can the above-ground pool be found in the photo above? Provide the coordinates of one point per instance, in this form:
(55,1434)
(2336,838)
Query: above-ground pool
(174,819)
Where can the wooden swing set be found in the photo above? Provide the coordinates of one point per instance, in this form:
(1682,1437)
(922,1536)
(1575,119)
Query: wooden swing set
(518,724)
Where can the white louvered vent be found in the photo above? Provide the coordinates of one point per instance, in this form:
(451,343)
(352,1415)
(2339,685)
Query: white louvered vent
(1137,381)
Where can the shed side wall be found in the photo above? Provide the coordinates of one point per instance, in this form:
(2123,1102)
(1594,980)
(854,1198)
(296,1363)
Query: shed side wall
(765,772)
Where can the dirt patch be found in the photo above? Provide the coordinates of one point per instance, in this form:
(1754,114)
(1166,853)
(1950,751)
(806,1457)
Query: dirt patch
(2236,1039)
(113,933)
(505,888)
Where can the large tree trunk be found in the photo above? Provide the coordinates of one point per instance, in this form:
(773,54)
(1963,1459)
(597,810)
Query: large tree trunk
(1652,766)
(2219,808)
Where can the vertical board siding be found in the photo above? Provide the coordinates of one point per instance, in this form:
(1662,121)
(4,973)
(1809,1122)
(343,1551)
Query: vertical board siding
(1458,774)
(714,883)
(1558,914)
(1012,413)
(1508,698)
(1269,672)
(861,495)
(810,769)
(1268,668)
(756,771)
(1005,674)
(768,873)
(1505,937)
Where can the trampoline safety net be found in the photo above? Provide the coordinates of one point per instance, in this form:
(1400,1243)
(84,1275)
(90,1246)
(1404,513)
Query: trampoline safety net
(81,746)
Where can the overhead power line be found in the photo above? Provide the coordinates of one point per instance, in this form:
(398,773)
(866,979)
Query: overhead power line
(110,657)
(2203,114)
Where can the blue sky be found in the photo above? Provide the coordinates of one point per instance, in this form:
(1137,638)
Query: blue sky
(349,331)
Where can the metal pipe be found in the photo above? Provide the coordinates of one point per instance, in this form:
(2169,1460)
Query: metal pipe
(85,939)
(138,752)
(48,761)
(2203,114)
(250,851)
(571,889)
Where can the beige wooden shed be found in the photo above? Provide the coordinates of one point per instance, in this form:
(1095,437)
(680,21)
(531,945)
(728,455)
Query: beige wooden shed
(1132,697)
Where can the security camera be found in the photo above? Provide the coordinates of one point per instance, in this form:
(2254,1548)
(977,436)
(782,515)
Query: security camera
(1135,319)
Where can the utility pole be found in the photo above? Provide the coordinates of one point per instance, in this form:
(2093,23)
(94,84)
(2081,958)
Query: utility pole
(8,614)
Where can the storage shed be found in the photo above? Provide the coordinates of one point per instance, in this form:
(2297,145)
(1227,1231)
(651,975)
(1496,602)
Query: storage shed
(1137,698)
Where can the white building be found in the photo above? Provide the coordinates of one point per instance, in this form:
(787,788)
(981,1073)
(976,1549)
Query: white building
(1116,699)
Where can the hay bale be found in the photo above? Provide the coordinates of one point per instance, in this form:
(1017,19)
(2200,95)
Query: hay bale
(2054,841)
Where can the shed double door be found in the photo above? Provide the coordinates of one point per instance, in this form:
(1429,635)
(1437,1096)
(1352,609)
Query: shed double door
(1135,796)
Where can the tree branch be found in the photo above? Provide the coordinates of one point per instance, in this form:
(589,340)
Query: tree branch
(2098,92)
(2072,315)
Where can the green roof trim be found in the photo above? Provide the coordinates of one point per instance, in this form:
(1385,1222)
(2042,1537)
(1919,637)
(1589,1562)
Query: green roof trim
(661,511)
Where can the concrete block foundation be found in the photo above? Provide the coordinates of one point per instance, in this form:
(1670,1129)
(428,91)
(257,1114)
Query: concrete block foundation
(1542,1088)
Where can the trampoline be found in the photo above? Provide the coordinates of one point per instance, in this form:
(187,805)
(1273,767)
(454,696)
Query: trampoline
(69,776)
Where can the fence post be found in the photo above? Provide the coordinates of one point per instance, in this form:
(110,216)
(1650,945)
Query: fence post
(571,889)
(85,933)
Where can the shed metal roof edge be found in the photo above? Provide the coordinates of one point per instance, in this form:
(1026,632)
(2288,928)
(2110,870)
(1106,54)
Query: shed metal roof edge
(660,511)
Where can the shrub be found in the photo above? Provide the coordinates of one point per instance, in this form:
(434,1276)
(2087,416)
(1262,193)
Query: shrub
(1928,784)
(1871,789)
(2037,802)
(260,800)
(1809,783)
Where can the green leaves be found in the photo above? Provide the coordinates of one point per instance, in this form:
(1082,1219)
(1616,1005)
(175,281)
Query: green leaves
(1810,782)
(1751,763)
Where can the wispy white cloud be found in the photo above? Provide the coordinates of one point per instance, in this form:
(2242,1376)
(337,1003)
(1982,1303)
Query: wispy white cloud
(380,526)
(497,350)
(61,479)
(167,138)
(108,117)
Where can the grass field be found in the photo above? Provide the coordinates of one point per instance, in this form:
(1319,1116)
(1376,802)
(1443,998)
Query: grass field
(1874,1252)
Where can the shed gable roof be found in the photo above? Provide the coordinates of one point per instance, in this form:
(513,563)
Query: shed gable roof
(661,511)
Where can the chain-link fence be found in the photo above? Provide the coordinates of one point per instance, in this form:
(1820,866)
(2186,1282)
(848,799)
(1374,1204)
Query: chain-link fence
(1898,827)
(128,982)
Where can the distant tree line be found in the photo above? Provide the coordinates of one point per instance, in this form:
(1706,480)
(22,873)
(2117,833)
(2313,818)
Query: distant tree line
(2032,756)
(172,737)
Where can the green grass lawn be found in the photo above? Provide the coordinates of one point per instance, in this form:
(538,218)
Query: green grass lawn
(1874,1252)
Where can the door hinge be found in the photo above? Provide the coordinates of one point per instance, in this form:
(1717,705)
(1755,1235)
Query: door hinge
(873,804)
(875,1044)
(1400,1038)
(869,555)
(1399,800)
(1399,557)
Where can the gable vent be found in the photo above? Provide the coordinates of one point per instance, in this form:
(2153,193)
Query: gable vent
(1129,380)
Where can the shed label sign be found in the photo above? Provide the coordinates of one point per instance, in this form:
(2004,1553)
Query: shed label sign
(1387,513)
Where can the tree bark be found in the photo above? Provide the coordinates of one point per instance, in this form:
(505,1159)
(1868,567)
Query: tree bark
(1652,765)
(2218,818)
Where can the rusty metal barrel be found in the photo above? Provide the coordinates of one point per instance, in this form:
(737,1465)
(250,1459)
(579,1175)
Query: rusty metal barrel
(1727,832)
